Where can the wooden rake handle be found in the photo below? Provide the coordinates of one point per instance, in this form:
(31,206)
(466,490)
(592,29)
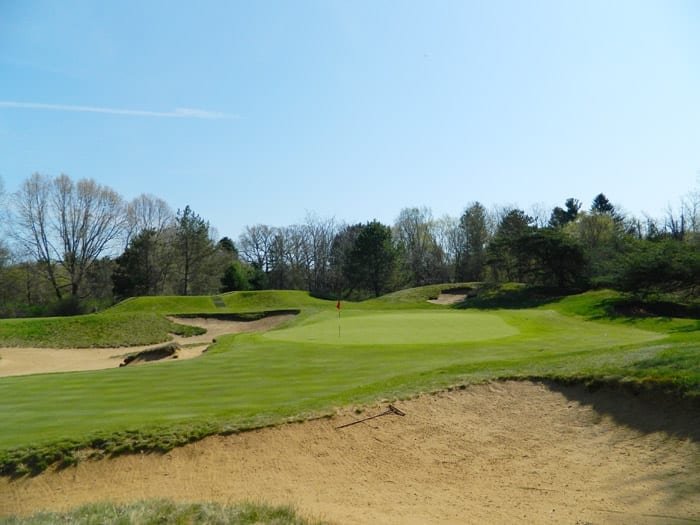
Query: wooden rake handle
(390,410)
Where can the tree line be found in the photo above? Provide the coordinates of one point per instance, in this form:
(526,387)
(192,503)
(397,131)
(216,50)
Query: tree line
(72,246)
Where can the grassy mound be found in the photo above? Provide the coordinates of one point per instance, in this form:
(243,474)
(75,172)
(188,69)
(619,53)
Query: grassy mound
(91,331)
(235,302)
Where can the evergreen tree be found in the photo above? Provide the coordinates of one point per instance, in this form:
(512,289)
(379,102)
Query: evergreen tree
(471,257)
(602,206)
(561,217)
(505,255)
(143,267)
(371,260)
(193,246)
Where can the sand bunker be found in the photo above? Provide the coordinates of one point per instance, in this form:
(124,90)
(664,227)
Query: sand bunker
(449,297)
(500,453)
(23,361)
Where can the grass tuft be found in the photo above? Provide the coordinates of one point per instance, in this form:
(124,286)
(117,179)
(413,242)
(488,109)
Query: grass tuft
(166,511)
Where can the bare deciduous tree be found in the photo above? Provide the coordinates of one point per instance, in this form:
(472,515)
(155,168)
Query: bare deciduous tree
(255,245)
(449,237)
(415,231)
(3,207)
(690,205)
(540,214)
(318,236)
(147,212)
(4,249)
(66,226)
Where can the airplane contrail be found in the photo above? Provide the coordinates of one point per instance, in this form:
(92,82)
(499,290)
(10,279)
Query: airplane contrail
(177,113)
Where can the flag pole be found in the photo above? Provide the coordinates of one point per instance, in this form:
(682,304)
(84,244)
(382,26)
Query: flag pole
(337,306)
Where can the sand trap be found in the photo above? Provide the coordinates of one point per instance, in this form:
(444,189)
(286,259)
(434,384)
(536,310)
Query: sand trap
(449,297)
(24,361)
(500,453)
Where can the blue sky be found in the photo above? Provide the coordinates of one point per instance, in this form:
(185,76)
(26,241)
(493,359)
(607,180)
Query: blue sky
(261,112)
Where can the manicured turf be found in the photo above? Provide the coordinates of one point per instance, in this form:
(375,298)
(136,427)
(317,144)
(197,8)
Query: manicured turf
(305,368)
(252,378)
(391,328)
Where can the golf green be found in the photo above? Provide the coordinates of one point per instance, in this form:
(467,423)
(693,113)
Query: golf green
(391,327)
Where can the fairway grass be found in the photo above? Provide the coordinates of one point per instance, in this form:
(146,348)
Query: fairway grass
(250,380)
(306,369)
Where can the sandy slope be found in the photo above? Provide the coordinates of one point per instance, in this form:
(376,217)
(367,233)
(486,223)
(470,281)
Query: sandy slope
(23,361)
(500,453)
(448,298)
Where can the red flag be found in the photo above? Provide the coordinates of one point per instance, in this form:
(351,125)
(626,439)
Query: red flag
(338,305)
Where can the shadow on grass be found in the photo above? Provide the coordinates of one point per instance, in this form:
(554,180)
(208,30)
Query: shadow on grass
(640,308)
(240,317)
(645,409)
(631,310)
(512,297)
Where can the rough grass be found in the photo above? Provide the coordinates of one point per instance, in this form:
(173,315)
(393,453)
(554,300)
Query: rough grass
(165,511)
(103,330)
(236,302)
(251,380)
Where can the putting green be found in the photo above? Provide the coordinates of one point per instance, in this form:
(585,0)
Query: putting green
(390,327)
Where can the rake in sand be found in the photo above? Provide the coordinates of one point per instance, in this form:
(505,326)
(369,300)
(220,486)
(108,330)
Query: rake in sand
(391,410)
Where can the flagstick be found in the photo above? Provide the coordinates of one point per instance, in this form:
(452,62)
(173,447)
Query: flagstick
(337,305)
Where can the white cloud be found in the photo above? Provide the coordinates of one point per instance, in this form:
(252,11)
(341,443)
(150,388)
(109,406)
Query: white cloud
(178,113)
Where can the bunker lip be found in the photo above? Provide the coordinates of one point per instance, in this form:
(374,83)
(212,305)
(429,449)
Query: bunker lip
(159,353)
(26,361)
(244,317)
(501,452)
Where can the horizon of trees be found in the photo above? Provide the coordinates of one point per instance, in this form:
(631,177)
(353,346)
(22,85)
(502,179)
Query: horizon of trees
(74,246)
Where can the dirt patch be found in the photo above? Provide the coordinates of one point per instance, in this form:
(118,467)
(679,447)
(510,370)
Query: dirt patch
(500,453)
(24,361)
